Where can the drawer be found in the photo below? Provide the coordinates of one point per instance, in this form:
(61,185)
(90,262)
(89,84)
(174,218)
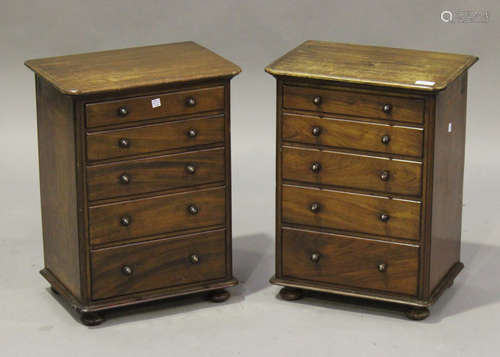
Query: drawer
(353,262)
(154,106)
(155,174)
(349,170)
(349,134)
(351,212)
(354,104)
(157,215)
(158,264)
(156,137)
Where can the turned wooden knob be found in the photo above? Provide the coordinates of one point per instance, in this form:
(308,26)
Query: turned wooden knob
(315,207)
(192,133)
(315,257)
(124,179)
(124,143)
(385,175)
(190,102)
(316,131)
(193,210)
(317,100)
(386,139)
(122,111)
(382,267)
(384,217)
(194,259)
(127,270)
(387,108)
(125,221)
(316,167)
(191,169)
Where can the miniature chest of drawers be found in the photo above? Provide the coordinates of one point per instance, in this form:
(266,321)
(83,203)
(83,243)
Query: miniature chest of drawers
(134,153)
(370,159)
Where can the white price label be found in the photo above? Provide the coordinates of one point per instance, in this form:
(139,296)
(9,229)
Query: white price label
(155,103)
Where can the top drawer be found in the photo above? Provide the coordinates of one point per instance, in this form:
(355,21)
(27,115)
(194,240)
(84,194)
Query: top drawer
(155,106)
(353,103)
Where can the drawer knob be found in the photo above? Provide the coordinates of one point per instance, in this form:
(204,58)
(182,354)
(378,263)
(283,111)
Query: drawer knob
(315,207)
(125,221)
(384,217)
(126,270)
(191,169)
(190,102)
(316,131)
(192,133)
(385,175)
(124,143)
(386,139)
(125,179)
(316,167)
(315,257)
(192,209)
(317,100)
(122,111)
(194,259)
(387,108)
(382,267)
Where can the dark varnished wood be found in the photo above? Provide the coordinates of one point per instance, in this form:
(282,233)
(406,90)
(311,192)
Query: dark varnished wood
(350,170)
(351,212)
(158,264)
(155,174)
(417,313)
(218,296)
(355,104)
(334,98)
(373,65)
(154,138)
(350,261)
(291,294)
(141,108)
(92,318)
(156,215)
(351,134)
(132,68)
(158,137)
(58,188)
(449,148)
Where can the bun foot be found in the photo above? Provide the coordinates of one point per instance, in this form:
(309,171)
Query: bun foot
(54,290)
(91,318)
(291,294)
(417,313)
(218,295)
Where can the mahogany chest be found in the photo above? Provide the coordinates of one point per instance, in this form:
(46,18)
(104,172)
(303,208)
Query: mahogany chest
(135,175)
(370,160)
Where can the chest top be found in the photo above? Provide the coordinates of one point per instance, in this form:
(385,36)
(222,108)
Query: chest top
(380,66)
(105,71)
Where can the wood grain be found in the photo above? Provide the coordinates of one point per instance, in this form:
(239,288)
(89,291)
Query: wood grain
(351,212)
(353,171)
(156,215)
(447,182)
(97,72)
(156,174)
(154,138)
(350,134)
(353,103)
(350,261)
(141,108)
(58,190)
(371,65)
(158,264)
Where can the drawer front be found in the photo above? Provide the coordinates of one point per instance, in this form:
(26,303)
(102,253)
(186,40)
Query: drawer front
(354,104)
(352,262)
(158,264)
(155,174)
(157,215)
(340,133)
(155,106)
(351,212)
(153,138)
(349,170)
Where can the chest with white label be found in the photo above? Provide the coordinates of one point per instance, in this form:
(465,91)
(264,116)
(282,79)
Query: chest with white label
(370,160)
(135,175)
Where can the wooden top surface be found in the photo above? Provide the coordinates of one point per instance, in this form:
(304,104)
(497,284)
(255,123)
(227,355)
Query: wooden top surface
(381,66)
(95,72)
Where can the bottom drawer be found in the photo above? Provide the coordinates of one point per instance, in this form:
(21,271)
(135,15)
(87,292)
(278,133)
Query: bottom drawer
(158,264)
(354,262)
